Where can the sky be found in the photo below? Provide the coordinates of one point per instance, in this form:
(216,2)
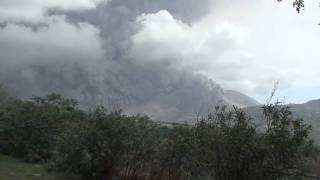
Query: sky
(241,45)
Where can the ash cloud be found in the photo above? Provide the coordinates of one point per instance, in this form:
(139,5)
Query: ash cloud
(92,54)
(36,62)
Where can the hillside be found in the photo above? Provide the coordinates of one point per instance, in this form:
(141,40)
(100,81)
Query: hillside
(238,99)
(309,111)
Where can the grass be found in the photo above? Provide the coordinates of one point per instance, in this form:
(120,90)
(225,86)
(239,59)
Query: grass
(13,169)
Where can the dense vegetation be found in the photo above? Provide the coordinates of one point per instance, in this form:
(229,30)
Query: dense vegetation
(15,169)
(98,144)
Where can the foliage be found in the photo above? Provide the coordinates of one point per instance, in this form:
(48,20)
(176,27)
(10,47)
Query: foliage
(228,143)
(99,144)
(108,145)
(13,169)
(233,149)
(297,4)
(176,158)
(28,128)
(286,142)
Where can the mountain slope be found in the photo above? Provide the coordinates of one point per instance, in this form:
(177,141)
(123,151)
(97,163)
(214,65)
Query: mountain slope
(309,111)
(239,99)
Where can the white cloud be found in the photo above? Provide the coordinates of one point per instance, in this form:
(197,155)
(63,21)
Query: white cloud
(213,49)
(164,38)
(243,46)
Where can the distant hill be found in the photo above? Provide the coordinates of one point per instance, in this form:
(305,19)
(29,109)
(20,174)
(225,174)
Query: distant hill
(238,99)
(309,111)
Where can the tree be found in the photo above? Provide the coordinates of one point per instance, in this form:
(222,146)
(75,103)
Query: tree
(98,144)
(231,148)
(177,156)
(286,142)
(29,128)
(297,4)
(109,145)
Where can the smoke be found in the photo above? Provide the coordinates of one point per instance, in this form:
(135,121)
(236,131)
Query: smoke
(34,10)
(148,56)
(34,61)
(87,54)
(207,47)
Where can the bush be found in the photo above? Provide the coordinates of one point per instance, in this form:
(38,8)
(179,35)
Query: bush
(29,128)
(99,144)
(228,144)
(232,149)
(177,155)
(108,145)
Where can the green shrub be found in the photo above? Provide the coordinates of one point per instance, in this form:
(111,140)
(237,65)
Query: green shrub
(99,144)
(28,129)
(232,149)
(108,145)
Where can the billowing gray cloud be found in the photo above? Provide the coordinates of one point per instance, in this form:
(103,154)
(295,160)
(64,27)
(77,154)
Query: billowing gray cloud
(86,54)
(214,51)
(148,56)
(44,60)
(34,10)
(239,44)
